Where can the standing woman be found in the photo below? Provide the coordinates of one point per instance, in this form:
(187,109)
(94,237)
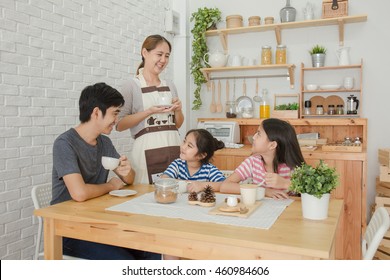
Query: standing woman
(152,112)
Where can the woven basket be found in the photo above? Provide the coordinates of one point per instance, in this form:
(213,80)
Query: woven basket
(327,11)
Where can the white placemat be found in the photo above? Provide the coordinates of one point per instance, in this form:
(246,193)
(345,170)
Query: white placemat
(263,217)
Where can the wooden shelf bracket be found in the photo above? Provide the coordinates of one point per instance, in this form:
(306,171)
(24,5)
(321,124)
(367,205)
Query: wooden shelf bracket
(341,32)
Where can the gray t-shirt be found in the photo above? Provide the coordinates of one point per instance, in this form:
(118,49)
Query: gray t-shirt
(71,154)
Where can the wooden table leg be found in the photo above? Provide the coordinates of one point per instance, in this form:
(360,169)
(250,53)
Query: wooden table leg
(52,242)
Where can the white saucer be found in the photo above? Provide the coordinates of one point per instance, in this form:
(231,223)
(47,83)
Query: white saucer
(164,105)
(122,193)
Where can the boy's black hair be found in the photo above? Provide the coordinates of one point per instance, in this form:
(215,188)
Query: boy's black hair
(98,95)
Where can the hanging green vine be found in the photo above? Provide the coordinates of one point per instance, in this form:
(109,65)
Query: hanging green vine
(203,19)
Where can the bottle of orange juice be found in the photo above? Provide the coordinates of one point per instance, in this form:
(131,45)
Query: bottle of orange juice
(264,105)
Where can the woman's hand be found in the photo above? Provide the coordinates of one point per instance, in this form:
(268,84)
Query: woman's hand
(276,181)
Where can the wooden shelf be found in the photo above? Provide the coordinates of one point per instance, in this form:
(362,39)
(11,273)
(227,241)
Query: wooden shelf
(278,27)
(207,72)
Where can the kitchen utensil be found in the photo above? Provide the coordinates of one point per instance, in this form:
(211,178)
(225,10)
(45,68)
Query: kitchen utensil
(343,55)
(248,194)
(110,163)
(227,95)
(122,193)
(240,210)
(352,105)
(219,104)
(213,107)
(257,98)
(244,101)
(330,87)
(311,87)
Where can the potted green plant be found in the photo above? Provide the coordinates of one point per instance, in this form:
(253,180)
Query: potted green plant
(314,184)
(318,54)
(286,111)
(204,19)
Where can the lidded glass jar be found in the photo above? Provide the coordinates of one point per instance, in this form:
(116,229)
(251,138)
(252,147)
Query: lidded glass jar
(281,54)
(231,109)
(166,190)
(247,113)
(307,110)
(266,55)
(320,110)
(331,110)
(340,110)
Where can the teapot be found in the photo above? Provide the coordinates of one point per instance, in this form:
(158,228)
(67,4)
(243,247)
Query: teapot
(216,59)
(343,56)
(352,105)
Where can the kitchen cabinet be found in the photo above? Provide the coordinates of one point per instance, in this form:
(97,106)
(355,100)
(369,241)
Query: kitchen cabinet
(336,94)
(352,167)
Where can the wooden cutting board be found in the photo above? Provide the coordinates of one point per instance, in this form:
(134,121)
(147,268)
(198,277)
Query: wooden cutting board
(229,211)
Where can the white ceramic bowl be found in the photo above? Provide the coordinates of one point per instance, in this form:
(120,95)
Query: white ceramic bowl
(311,87)
(110,163)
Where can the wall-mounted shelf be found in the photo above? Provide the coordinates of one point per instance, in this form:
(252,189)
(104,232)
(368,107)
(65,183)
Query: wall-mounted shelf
(208,72)
(278,27)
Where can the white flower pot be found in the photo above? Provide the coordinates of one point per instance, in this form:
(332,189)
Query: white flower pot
(314,208)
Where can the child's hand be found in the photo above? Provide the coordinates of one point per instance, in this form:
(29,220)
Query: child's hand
(124,167)
(276,181)
(195,186)
(275,194)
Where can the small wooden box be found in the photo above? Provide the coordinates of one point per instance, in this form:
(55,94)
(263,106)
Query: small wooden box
(353,148)
(384,157)
(280,99)
(384,175)
(328,12)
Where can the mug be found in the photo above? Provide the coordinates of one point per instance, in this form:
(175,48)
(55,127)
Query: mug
(248,194)
(348,82)
(236,60)
(110,163)
(260,193)
(183,186)
(232,201)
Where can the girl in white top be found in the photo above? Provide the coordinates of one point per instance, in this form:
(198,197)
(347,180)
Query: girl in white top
(275,153)
(152,112)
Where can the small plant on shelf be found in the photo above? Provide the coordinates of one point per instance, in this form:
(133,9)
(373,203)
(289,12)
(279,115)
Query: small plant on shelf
(204,19)
(288,106)
(318,49)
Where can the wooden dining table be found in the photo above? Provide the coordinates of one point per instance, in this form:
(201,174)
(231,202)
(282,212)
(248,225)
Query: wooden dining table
(290,237)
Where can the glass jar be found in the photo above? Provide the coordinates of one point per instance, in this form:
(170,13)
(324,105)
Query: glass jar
(266,55)
(281,54)
(269,20)
(357,141)
(247,113)
(287,13)
(320,110)
(231,109)
(265,111)
(340,110)
(166,190)
(331,110)
(347,141)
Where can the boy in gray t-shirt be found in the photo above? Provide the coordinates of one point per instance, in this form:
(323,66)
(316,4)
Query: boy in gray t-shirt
(78,173)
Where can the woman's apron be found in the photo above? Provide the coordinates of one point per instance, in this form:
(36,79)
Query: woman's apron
(158,144)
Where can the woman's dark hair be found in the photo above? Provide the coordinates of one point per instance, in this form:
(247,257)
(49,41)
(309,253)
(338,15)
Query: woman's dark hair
(287,150)
(150,43)
(98,95)
(206,143)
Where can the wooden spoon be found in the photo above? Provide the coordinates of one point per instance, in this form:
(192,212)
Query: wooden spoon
(219,104)
(227,94)
(213,107)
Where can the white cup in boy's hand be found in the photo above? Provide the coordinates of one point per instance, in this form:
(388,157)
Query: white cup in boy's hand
(110,163)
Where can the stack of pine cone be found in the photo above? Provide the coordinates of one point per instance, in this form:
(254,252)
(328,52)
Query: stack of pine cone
(207,197)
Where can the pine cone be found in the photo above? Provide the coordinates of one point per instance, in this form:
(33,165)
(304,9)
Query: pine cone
(193,196)
(208,195)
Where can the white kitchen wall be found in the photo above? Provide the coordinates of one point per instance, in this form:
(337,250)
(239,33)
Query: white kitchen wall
(368,41)
(49,51)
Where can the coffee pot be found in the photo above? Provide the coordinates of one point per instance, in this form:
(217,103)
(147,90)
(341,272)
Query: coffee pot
(352,105)
(343,55)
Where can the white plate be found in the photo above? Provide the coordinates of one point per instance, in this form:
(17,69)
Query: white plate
(329,87)
(122,192)
(164,105)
